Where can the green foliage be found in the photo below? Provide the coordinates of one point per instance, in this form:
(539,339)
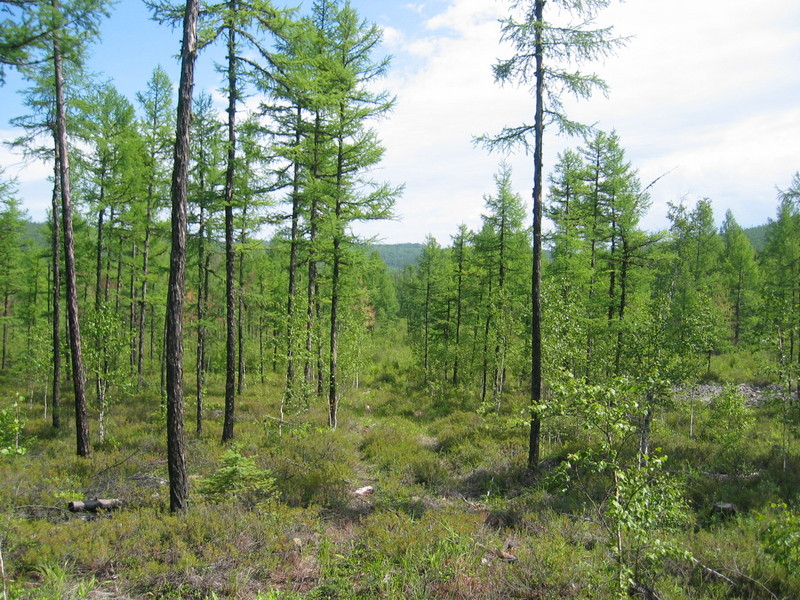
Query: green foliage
(729,419)
(239,479)
(313,466)
(397,256)
(634,499)
(757,236)
(12,426)
(781,538)
(57,584)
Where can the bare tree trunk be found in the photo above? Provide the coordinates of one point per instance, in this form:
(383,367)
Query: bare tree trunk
(201,327)
(536,282)
(56,307)
(143,292)
(290,301)
(334,337)
(240,307)
(6,315)
(176,446)
(78,373)
(230,345)
(98,282)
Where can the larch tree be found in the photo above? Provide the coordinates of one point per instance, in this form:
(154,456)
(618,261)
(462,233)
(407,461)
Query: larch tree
(780,265)
(740,275)
(206,175)
(11,228)
(37,126)
(543,54)
(72,25)
(501,247)
(351,107)
(176,444)
(157,124)
(236,20)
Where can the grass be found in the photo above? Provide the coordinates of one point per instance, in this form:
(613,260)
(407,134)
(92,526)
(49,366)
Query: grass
(451,496)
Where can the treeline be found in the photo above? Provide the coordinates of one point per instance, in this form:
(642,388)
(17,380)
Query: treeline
(618,301)
(297,159)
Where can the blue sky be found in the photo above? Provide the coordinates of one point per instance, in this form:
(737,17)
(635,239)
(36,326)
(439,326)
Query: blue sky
(707,91)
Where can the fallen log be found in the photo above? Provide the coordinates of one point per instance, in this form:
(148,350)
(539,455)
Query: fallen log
(94,505)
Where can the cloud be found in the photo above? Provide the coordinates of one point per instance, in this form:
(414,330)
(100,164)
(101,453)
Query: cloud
(417,8)
(446,98)
(33,186)
(392,37)
(707,94)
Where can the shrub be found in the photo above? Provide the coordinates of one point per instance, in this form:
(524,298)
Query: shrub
(239,477)
(314,467)
(12,423)
(781,539)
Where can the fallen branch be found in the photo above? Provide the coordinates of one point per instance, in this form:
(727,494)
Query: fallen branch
(711,571)
(94,505)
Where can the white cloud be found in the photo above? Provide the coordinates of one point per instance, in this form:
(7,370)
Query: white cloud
(463,16)
(392,37)
(31,176)
(707,94)
(417,8)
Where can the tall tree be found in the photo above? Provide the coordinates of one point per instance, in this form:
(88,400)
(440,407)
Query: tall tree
(740,273)
(237,20)
(353,105)
(72,24)
(780,262)
(176,445)
(11,226)
(39,125)
(543,52)
(158,128)
(207,172)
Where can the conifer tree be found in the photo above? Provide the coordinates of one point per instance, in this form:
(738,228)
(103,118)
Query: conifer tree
(740,274)
(206,175)
(176,452)
(542,51)
(157,125)
(11,226)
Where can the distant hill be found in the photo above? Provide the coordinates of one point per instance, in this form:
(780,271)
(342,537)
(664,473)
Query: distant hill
(397,256)
(757,236)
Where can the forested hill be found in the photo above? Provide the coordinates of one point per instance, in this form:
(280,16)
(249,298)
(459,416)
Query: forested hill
(397,256)
(757,236)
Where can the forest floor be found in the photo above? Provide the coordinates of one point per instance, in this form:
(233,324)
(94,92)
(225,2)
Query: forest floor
(452,511)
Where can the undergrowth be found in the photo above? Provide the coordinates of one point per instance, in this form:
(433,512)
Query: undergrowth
(452,512)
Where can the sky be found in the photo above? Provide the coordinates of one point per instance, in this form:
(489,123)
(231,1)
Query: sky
(705,93)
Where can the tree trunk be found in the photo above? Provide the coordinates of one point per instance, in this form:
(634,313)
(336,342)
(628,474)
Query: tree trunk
(201,328)
(56,307)
(230,171)
(176,446)
(312,266)
(6,315)
(240,307)
(536,283)
(143,291)
(78,373)
(98,281)
(290,301)
(334,333)
(312,294)
(459,307)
